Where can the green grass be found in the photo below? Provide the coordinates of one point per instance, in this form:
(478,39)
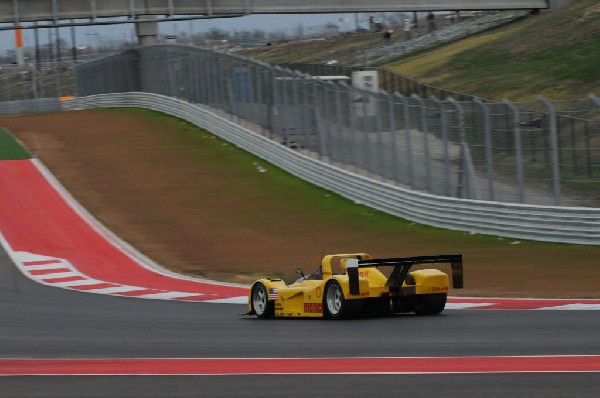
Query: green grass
(10,149)
(554,54)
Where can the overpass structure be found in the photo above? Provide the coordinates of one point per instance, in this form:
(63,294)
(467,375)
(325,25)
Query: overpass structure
(53,13)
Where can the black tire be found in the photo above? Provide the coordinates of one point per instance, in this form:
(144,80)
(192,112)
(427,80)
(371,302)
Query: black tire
(261,305)
(429,304)
(335,304)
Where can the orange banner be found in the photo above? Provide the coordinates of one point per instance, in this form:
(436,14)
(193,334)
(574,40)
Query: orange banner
(19,37)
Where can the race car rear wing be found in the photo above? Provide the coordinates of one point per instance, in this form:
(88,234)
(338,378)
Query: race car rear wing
(401,268)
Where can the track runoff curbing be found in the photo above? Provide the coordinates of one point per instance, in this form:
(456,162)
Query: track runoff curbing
(92,259)
(291,366)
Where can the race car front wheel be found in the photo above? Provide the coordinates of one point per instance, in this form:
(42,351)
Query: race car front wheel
(336,306)
(263,308)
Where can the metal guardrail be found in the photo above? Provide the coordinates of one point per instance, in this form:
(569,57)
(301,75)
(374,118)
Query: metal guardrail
(465,149)
(543,223)
(32,105)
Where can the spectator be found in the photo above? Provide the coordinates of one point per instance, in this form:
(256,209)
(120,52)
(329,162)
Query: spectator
(407,29)
(430,22)
(387,37)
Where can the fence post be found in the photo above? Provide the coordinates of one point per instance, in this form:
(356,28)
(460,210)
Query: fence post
(298,109)
(393,132)
(353,135)
(303,85)
(444,128)
(217,92)
(57,79)
(8,90)
(408,132)
(207,79)
(280,126)
(379,131)
(489,154)
(322,126)
(554,148)
(366,135)
(34,81)
(172,90)
(272,103)
(518,149)
(339,128)
(426,152)
(467,161)
(192,77)
(231,93)
(255,97)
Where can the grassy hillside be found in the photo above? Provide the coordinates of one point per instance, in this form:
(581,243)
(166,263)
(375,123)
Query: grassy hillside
(315,50)
(554,54)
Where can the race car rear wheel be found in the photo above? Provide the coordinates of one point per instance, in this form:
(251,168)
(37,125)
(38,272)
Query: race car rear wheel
(336,305)
(262,306)
(429,304)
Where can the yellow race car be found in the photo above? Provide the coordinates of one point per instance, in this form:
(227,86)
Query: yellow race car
(360,288)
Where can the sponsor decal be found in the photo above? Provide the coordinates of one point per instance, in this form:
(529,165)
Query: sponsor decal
(436,289)
(364,274)
(273,293)
(313,308)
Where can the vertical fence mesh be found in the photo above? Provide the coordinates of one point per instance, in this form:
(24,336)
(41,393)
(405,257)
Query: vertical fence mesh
(402,132)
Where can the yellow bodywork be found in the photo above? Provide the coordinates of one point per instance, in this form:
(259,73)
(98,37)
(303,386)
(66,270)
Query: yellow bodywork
(305,298)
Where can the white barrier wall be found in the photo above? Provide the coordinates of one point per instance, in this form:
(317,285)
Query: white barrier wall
(579,225)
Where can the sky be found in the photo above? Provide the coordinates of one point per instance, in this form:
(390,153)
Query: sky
(91,34)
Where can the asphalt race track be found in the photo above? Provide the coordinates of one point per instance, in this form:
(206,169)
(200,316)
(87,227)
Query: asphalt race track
(191,340)
(38,321)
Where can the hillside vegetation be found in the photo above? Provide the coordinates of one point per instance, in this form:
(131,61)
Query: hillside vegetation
(554,54)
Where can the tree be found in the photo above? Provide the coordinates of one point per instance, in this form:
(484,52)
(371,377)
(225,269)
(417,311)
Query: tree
(217,34)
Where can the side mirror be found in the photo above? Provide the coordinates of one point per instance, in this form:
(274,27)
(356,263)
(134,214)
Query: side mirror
(299,272)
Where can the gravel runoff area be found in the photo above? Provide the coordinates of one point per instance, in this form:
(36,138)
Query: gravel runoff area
(200,206)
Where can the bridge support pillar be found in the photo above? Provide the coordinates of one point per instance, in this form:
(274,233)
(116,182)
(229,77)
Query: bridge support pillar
(147,30)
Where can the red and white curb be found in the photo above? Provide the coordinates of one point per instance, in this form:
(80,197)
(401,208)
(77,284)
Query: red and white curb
(54,241)
(482,303)
(60,273)
(298,366)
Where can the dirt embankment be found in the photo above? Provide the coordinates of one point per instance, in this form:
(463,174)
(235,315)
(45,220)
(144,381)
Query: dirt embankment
(198,205)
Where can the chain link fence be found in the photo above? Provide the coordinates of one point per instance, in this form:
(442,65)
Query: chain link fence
(45,80)
(421,137)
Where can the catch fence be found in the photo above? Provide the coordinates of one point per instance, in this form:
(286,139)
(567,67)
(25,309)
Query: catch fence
(544,153)
(400,131)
